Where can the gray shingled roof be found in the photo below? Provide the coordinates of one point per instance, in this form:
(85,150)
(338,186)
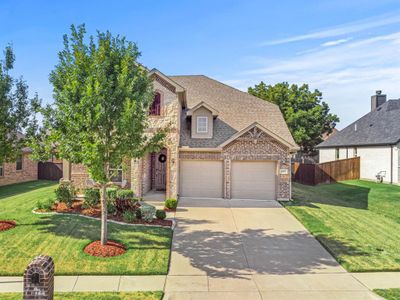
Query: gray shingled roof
(236,111)
(378,127)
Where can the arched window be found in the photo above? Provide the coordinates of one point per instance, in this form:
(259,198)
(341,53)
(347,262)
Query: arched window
(155,108)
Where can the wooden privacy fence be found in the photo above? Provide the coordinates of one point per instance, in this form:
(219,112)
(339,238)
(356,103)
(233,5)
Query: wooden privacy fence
(50,170)
(328,172)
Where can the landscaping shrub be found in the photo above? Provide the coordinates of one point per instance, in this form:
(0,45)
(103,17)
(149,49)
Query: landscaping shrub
(112,193)
(122,205)
(138,214)
(111,199)
(160,214)
(92,197)
(46,205)
(124,194)
(171,203)
(65,193)
(148,211)
(129,216)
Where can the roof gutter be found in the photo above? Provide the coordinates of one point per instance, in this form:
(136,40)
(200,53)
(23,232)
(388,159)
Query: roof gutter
(359,145)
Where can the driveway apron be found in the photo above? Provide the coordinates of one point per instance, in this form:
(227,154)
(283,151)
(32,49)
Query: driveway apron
(245,249)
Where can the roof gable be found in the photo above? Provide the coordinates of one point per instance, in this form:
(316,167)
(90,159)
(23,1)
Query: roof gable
(213,111)
(379,127)
(256,134)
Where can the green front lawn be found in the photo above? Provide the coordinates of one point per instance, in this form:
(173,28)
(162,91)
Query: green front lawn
(94,296)
(64,237)
(357,221)
(389,294)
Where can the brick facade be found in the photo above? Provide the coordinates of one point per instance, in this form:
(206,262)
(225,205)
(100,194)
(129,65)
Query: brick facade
(29,171)
(247,147)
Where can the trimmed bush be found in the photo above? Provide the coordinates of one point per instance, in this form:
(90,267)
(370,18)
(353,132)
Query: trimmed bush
(46,205)
(160,214)
(65,193)
(171,203)
(148,212)
(92,198)
(112,193)
(138,214)
(129,216)
(111,200)
(125,194)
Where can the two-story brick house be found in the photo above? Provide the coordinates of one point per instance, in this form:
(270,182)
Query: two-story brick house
(222,143)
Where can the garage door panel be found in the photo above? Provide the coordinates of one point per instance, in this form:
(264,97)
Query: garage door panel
(253,180)
(201,178)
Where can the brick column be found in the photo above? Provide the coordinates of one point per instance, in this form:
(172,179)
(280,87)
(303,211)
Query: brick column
(227,178)
(39,279)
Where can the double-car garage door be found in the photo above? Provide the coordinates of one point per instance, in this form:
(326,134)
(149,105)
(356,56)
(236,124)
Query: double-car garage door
(250,179)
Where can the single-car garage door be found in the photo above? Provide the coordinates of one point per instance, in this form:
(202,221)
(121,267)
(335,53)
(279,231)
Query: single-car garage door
(201,178)
(253,180)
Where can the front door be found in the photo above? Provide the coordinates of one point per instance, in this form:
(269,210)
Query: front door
(160,170)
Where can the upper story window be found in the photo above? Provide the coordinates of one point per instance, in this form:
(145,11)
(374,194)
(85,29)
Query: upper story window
(18,164)
(1,170)
(155,108)
(202,125)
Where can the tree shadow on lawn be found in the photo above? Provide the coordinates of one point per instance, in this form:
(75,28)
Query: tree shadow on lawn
(133,237)
(337,194)
(24,187)
(253,251)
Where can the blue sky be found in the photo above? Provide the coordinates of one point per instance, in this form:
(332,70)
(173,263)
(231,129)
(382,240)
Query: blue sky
(346,49)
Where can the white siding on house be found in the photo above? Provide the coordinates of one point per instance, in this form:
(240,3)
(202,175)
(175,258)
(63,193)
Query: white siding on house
(327,154)
(374,159)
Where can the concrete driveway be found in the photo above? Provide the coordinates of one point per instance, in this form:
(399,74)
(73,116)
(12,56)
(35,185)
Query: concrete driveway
(241,249)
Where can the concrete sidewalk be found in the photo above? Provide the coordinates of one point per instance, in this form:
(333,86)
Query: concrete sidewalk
(92,283)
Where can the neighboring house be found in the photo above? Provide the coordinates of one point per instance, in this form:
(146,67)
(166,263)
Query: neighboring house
(375,138)
(222,143)
(23,169)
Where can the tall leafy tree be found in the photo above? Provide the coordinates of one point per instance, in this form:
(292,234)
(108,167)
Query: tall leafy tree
(307,116)
(100,114)
(15,109)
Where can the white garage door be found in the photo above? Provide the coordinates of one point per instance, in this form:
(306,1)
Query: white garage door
(201,178)
(253,180)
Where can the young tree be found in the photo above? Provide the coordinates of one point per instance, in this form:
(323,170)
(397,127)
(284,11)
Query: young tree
(15,110)
(306,115)
(100,114)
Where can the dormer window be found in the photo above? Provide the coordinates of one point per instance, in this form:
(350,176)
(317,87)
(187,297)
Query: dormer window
(202,124)
(155,108)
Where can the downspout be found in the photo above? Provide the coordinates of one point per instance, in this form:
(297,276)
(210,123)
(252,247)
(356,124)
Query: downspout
(391,164)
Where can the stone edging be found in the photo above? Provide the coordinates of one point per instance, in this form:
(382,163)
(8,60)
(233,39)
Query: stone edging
(108,220)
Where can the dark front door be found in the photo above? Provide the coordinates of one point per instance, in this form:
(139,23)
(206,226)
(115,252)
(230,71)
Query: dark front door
(160,170)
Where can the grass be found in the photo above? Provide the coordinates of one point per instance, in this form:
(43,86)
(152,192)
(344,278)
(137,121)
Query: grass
(96,296)
(389,294)
(64,237)
(358,222)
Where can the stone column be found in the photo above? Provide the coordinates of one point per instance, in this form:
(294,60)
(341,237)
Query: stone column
(39,279)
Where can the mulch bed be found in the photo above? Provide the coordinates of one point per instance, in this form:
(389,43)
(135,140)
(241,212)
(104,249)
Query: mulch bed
(7,224)
(95,212)
(111,249)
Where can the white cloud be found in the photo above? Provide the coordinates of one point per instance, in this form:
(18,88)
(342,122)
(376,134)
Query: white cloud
(336,42)
(341,30)
(347,74)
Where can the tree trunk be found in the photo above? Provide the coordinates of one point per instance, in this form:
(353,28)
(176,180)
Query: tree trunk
(103,200)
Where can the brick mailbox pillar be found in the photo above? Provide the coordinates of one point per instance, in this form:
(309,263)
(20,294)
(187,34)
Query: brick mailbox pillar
(39,279)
